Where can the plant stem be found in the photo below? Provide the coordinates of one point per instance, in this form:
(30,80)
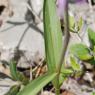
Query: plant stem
(66,37)
(66,41)
(56,85)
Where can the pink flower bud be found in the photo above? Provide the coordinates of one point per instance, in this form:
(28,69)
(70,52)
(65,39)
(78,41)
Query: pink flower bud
(61,4)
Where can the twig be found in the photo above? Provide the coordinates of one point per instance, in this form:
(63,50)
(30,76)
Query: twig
(21,39)
(36,16)
(10,27)
(16,23)
(33,26)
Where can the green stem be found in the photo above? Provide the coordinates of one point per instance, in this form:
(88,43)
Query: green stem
(56,85)
(66,41)
(57,91)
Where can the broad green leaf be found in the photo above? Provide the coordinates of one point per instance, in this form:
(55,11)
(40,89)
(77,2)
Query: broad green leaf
(36,85)
(74,64)
(52,34)
(13,90)
(91,35)
(93,93)
(66,71)
(81,51)
(64,74)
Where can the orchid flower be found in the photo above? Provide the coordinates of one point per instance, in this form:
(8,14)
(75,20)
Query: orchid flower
(61,5)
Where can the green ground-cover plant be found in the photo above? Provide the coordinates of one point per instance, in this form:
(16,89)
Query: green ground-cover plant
(53,48)
(83,52)
(55,53)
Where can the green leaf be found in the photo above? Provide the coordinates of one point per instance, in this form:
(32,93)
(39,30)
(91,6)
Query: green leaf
(91,35)
(91,61)
(71,22)
(36,85)
(13,90)
(80,22)
(93,93)
(13,70)
(52,35)
(62,79)
(74,64)
(22,78)
(66,71)
(16,75)
(81,51)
